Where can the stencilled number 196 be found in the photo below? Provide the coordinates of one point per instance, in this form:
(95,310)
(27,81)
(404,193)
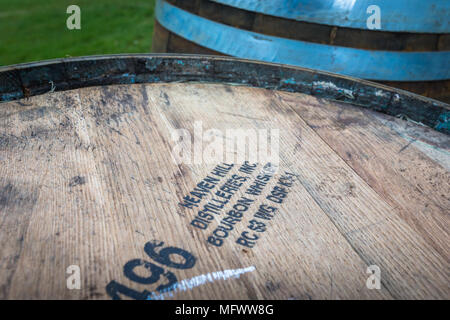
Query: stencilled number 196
(155,272)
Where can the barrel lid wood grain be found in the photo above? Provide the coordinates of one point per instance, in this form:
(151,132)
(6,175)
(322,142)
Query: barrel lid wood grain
(89,183)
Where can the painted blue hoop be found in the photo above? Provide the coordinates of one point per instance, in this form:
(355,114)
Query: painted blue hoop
(419,16)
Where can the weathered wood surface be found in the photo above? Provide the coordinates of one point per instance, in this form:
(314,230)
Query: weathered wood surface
(87,178)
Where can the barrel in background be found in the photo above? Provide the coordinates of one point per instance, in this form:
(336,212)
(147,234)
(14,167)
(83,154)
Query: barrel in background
(411,51)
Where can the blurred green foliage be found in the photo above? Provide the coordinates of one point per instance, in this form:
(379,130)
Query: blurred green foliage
(32,30)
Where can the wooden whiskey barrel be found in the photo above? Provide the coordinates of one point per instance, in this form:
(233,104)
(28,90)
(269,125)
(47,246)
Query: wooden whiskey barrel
(411,50)
(92,188)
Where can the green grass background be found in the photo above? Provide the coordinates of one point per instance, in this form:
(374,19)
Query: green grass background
(32,30)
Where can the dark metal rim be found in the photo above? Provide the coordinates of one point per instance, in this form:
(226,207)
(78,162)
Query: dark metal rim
(25,80)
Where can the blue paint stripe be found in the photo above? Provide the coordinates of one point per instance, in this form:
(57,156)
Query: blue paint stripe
(421,16)
(365,64)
